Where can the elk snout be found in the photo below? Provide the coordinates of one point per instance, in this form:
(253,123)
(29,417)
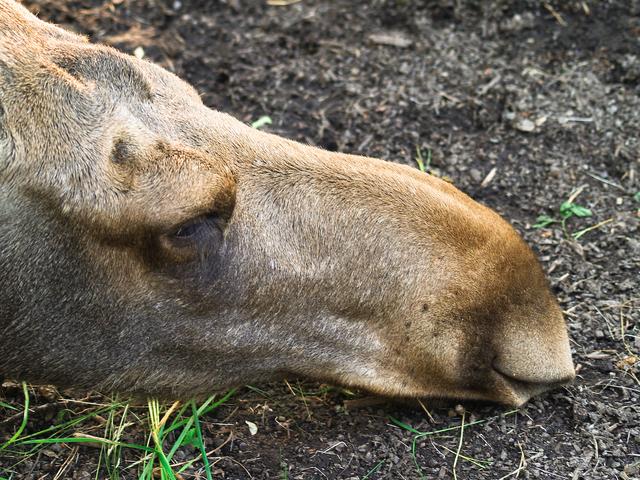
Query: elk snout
(531,362)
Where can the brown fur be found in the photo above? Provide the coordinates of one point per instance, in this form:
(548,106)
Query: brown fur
(150,245)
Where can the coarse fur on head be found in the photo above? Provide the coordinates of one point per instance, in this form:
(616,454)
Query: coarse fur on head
(153,246)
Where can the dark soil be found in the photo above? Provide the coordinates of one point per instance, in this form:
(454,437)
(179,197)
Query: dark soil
(545,95)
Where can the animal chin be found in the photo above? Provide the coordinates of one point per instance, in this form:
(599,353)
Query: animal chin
(393,384)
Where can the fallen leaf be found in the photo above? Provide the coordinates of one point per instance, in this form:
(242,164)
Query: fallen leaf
(253,428)
(629,361)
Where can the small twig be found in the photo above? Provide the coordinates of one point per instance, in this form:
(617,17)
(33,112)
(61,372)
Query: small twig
(32,410)
(67,463)
(478,463)
(604,180)
(449,97)
(99,441)
(282,3)
(327,450)
(492,83)
(304,400)
(579,234)
(575,193)
(184,465)
(426,410)
(487,180)
(521,466)
(555,14)
(563,120)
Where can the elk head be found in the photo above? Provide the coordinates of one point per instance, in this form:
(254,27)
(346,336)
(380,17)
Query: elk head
(151,245)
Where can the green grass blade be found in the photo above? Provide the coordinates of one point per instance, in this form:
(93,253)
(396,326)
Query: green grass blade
(419,435)
(262,121)
(373,470)
(164,464)
(25,419)
(405,426)
(544,221)
(203,450)
(70,423)
(179,442)
(8,407)
(203,409)
(213,406)
(98,440)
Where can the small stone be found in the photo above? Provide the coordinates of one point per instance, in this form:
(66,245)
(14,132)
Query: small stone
(632,469)
(525,125)
(475,174)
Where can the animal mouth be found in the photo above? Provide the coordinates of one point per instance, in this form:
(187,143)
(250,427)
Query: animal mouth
(520,389)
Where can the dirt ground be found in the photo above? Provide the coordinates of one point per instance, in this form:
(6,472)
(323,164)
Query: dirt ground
(521,104)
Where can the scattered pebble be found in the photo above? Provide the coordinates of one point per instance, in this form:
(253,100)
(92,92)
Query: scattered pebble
(138,52)
(525,125)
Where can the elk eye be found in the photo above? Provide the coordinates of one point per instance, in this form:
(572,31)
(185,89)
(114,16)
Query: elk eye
(197,240)
(199,229)
(188,230)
